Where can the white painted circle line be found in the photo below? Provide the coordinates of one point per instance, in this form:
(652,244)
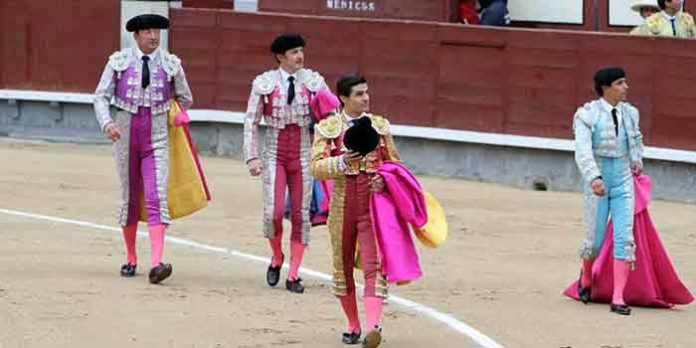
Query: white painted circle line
(446,319)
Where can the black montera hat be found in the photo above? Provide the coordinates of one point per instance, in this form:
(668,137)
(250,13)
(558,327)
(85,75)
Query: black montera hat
(147,21)
(286,42)
(361,137)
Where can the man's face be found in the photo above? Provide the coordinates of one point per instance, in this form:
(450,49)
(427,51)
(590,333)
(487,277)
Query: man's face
(359,100)
(147,39)
(648,11)
(292,60)
(617,91)
(674,4)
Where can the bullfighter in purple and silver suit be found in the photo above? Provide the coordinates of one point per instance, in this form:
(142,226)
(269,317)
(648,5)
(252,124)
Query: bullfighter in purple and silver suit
(141,82)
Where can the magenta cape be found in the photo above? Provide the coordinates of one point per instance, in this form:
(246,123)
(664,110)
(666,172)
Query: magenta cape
(653,282)
(401,204)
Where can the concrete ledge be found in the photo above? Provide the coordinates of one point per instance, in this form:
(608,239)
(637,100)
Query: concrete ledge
(60,97)
(460,136)
(431,133)
(520,161)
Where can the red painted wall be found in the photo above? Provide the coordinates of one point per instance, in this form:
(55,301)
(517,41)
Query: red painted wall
(56,45)
(228,4)
(517,81)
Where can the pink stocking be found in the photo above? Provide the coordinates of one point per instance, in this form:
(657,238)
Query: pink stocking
(373,311)
(350,308)
(296,252)
(274,243)
(130,232)
(586,279)
(156,243)
(621,270)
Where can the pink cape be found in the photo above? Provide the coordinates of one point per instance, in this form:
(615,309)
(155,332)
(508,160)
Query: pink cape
(401,204)
(323,103)
(653,282)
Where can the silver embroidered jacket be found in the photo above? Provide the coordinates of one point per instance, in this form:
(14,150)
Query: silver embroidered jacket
(267,102)
(127,59)
(586,149)
(120,83)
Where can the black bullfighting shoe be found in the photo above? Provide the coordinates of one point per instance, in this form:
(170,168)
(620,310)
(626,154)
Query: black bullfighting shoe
(620,309)
(585,294)
(373,338)
(294,285)
(273,272)
(128,270)
(351,337)
(160,273)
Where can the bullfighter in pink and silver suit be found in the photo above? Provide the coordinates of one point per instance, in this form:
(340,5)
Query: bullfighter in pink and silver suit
(281,98)
(142,81)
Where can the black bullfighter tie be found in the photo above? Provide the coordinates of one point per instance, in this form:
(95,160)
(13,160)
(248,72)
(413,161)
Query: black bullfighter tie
(146,72)
(291,89)
(616,121)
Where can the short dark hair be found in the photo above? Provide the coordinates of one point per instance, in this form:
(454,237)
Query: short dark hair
(607,76)
(345,84)
(661,3)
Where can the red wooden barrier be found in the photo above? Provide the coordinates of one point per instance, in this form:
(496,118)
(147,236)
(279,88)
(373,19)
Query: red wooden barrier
(515,81)
(56,45)
(228,4)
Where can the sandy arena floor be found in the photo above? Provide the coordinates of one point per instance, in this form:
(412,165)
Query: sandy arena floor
(509,256)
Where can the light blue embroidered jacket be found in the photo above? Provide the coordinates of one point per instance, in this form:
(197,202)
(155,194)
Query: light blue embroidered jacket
(604,144)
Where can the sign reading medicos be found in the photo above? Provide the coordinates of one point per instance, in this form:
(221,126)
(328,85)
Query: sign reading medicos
(352,5)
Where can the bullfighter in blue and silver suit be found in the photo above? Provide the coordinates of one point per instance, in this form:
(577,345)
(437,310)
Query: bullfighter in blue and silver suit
(608,152)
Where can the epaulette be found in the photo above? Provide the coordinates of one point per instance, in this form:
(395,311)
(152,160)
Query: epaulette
(653,22)
(586,115)
(312,80)
(264,83)
(170,63)
(380,124)
(330,127)
(119,60)
(628,106)
(687,19)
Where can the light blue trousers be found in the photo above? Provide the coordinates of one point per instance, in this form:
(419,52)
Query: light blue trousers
(618,202)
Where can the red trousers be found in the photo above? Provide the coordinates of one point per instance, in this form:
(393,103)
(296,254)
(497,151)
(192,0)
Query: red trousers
(288,175)
(357,230)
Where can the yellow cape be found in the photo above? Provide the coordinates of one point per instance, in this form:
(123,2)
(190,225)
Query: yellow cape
(185,189)
(434,232)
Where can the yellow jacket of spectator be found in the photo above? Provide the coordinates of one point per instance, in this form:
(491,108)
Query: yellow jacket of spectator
(659,24)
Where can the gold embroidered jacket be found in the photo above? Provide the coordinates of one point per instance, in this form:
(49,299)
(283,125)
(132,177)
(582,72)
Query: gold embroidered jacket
(328,163)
